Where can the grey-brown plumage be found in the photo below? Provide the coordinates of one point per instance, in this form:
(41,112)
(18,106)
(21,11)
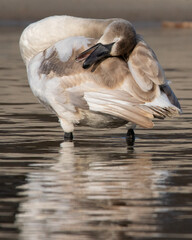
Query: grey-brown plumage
(100,78)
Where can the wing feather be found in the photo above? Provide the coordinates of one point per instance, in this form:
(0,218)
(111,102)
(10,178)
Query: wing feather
(109,88)
(145,68)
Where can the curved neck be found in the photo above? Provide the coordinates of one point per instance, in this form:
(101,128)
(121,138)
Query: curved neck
(40,35)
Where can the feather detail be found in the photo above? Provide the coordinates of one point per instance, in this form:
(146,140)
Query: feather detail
(122,108)
(145,68)
(126,87)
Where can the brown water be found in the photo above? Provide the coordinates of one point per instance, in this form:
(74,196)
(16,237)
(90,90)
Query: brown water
(94,187)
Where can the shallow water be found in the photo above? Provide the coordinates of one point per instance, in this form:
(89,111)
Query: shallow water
(94,187)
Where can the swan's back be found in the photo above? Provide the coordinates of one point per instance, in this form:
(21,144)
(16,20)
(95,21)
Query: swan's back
(42,34)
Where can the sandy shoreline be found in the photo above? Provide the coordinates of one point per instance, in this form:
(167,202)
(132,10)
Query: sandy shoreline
(140,10)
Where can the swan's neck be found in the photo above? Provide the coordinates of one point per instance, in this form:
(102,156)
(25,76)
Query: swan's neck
(40,35)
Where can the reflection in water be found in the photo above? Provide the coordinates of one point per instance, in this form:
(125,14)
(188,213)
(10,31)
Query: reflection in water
(94,188)
(90,194)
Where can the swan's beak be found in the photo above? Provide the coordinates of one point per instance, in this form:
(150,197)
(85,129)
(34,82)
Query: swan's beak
(94,54)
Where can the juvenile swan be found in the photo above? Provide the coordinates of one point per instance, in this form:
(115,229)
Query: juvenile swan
(97,73)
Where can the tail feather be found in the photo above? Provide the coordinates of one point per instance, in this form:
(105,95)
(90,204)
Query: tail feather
(170,94)
(166,105)
(99,102)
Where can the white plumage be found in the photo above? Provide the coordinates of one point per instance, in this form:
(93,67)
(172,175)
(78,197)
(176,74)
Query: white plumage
(123,81)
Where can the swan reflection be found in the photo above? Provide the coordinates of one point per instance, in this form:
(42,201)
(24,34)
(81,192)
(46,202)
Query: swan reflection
(89,190)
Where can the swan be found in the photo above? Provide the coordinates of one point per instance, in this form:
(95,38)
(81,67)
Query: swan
(95,72)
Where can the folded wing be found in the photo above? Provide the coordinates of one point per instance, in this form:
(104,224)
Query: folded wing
(108,88)
(145,67)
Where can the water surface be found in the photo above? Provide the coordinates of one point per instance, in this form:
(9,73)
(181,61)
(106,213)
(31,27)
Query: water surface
(95,187)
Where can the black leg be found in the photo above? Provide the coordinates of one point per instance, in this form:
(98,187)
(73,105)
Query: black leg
(130,137)
(68,136)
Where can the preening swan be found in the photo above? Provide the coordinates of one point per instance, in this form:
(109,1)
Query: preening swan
(97,73)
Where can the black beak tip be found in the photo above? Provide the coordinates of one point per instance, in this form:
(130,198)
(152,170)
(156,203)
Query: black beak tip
(85,65)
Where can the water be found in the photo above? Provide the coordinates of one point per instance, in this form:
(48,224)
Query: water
(95,187)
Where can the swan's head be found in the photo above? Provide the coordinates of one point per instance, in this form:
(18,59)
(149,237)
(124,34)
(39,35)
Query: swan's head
(119,39)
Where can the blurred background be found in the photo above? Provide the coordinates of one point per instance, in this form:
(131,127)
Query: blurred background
(140,10)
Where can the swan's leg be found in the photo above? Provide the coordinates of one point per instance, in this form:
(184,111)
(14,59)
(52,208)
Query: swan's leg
(130,137)
(68,136)
(68,129)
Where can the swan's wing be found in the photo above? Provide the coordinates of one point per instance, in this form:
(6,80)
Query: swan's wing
(66,87)
(61,83)
(121,106)
(148,74)
(145,67)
